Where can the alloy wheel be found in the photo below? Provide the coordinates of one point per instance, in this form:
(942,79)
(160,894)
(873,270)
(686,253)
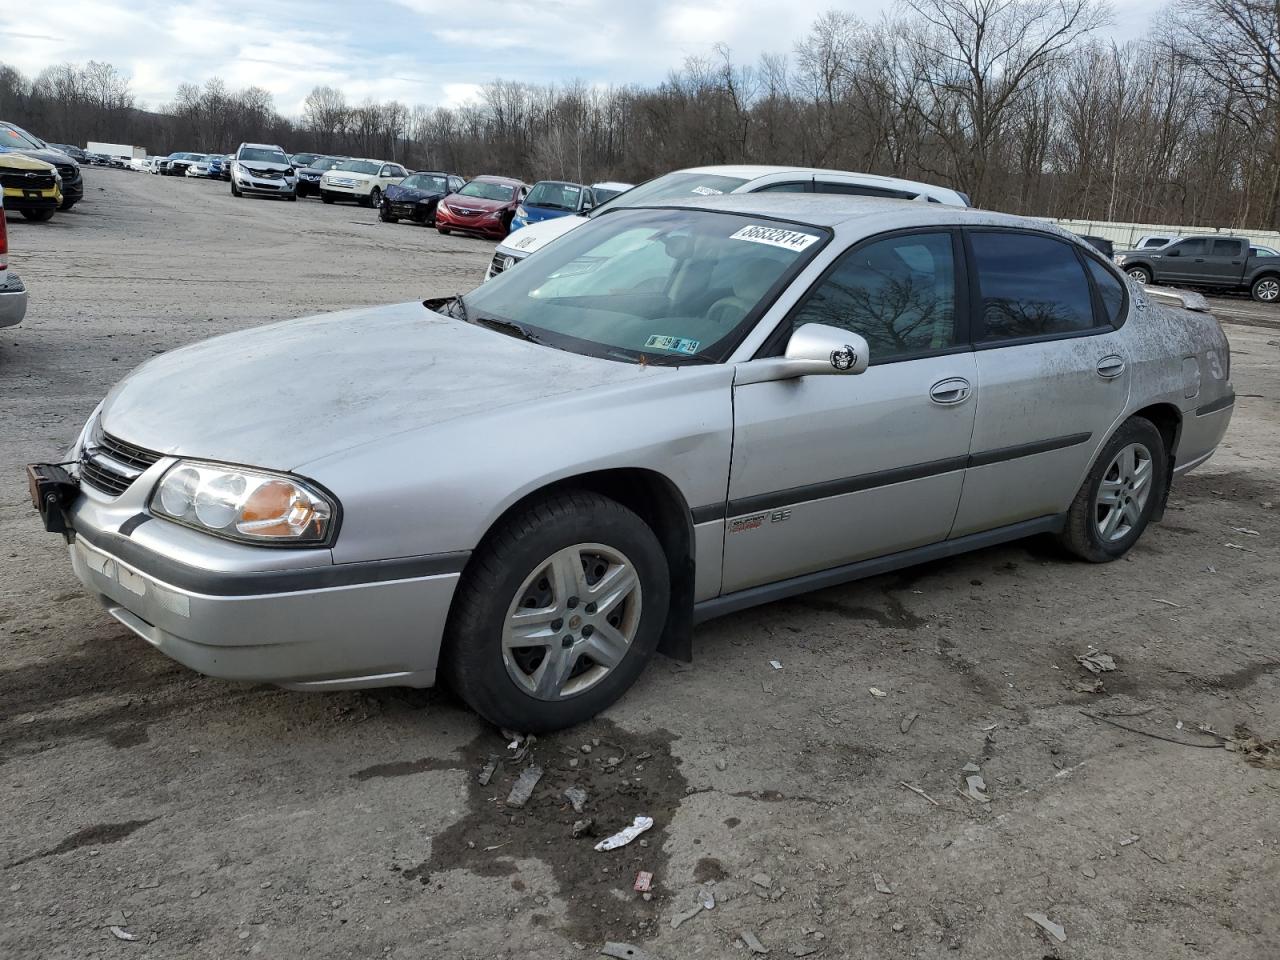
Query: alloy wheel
(1267,290)
(572,621)
(1139,276)
(1123,493)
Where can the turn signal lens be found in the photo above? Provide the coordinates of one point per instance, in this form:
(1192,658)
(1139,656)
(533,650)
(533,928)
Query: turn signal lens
(243,504)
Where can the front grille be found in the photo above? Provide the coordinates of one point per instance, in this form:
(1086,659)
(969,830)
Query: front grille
(27,181)
(501,262)
(111,465)
(68,172)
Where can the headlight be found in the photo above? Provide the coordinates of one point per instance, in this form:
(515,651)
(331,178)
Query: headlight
(242,504)
(496,215)
(443,208)
(242,170)
(522,213)
(1118,260)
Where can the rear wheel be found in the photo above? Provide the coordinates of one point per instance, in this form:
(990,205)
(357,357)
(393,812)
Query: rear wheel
(1139,275)
(559,612)
(1116,501)
(1266,289)
(40,216)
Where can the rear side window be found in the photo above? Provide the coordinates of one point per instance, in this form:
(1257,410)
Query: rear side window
(1030,286)
(794,186)
(1110,290)
(1227,248)
(899,293)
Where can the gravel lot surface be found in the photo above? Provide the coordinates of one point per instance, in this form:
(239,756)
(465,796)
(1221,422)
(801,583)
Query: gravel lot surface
(209,819)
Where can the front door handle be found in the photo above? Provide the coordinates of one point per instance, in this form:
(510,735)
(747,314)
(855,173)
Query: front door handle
(1110,367)
(951,391)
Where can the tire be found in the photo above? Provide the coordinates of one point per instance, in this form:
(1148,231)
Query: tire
(326,197)
(374,199)
(235,191)
(444,230)
(517,566)
(293,197)
(1089,532)
(39,216)
(66,205)
(1266,289)
(386,217)
(1139,274)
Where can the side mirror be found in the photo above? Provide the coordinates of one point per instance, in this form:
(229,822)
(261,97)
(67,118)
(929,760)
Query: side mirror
(815,349)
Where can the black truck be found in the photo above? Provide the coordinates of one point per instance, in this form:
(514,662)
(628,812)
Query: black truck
(1219,263)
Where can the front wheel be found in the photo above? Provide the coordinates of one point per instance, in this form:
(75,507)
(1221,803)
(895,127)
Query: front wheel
(1140,275)
(1266,289)
(374,199)
(67,204)
(558,613)
(444,230)
(386,217)
(235,191)
(326,196)
(39,216)
(1115,503)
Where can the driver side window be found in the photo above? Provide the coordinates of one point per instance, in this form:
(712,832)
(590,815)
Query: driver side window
(898,293)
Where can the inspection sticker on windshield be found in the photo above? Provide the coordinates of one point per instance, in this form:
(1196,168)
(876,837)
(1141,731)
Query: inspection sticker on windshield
(678,344)
(775,237)
(706,191)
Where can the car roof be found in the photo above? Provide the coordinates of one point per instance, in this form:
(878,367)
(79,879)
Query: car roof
(490,178)
(874,213)
(263,146)
(566,183)
(612,185)
(750,171)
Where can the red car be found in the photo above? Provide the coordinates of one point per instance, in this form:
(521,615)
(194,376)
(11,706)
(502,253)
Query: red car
(484,206)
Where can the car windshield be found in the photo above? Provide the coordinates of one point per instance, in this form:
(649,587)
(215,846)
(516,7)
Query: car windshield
(359,166)
(326,163)
(556,196)
(304,159)
(648,286)
(426,181)
(16,139)
(263,155)
(604,194)
(673,186)
(487,190)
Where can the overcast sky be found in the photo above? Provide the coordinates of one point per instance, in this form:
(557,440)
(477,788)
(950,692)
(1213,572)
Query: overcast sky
(417,51)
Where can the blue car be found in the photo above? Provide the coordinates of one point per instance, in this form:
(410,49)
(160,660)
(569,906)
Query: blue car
(216,163)
(550,199)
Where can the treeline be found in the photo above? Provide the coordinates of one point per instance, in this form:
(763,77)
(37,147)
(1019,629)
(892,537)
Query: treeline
(1026,105)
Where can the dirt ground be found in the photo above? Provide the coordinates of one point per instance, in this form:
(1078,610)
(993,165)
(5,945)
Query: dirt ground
(209,819)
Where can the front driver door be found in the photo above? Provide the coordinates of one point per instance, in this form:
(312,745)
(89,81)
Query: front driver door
(828,470)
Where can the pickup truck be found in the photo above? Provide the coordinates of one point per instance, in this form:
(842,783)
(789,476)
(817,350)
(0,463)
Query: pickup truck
(1222,263)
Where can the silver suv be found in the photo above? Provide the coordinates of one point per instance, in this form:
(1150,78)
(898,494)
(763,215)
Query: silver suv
(263,169)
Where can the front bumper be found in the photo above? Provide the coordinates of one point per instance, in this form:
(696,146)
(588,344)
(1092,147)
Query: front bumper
(308,188)
(483,225)
(356,191)
(288,617)
(15,199)
(13,299)
(503,259)
(277,188)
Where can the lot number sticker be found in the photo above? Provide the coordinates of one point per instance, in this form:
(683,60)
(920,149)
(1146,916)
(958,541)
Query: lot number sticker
(678,344)
(776,237)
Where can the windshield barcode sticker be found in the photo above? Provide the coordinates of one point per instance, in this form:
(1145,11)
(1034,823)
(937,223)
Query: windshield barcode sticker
(678,344)
(775,237)
(707,191)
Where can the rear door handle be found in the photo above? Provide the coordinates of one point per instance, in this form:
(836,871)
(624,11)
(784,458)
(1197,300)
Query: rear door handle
(1110,367)
(951,391)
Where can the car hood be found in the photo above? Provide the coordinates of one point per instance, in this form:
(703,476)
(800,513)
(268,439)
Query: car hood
(25,162)
(538,214)
(258,166)
(348,174)
(53,157)
(290,393)
(538,235)
(475,203)
(397,192)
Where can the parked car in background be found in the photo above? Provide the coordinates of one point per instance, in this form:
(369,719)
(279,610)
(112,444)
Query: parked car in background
(263,169)
(1104,246)
(1153,241)
(13,293)
(549,199)
(227,162)
(72,151)
(309,176)
(201,167)
(780,419)
(32,187)
(484,207)
(13,137)
(1260,251)
(175,165)
(606,190)
(363,181)
(713,181)
(303,160)
(99,159)
(1216,262)
(415,197)
(216,162)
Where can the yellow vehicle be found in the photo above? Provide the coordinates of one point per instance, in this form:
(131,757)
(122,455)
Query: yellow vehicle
(31,186)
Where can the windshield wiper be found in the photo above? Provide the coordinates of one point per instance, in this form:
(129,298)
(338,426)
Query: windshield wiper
(509,327)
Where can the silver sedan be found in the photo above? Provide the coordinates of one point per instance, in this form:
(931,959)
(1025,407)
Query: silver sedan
(669,414)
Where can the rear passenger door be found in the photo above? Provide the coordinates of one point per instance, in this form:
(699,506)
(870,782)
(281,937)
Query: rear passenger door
(1224,263)
(1052,374)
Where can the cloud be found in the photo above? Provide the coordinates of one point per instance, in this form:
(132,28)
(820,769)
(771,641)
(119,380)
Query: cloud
(417,51)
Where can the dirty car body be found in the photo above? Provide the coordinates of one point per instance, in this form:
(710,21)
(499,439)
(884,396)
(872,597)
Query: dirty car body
(799,391)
